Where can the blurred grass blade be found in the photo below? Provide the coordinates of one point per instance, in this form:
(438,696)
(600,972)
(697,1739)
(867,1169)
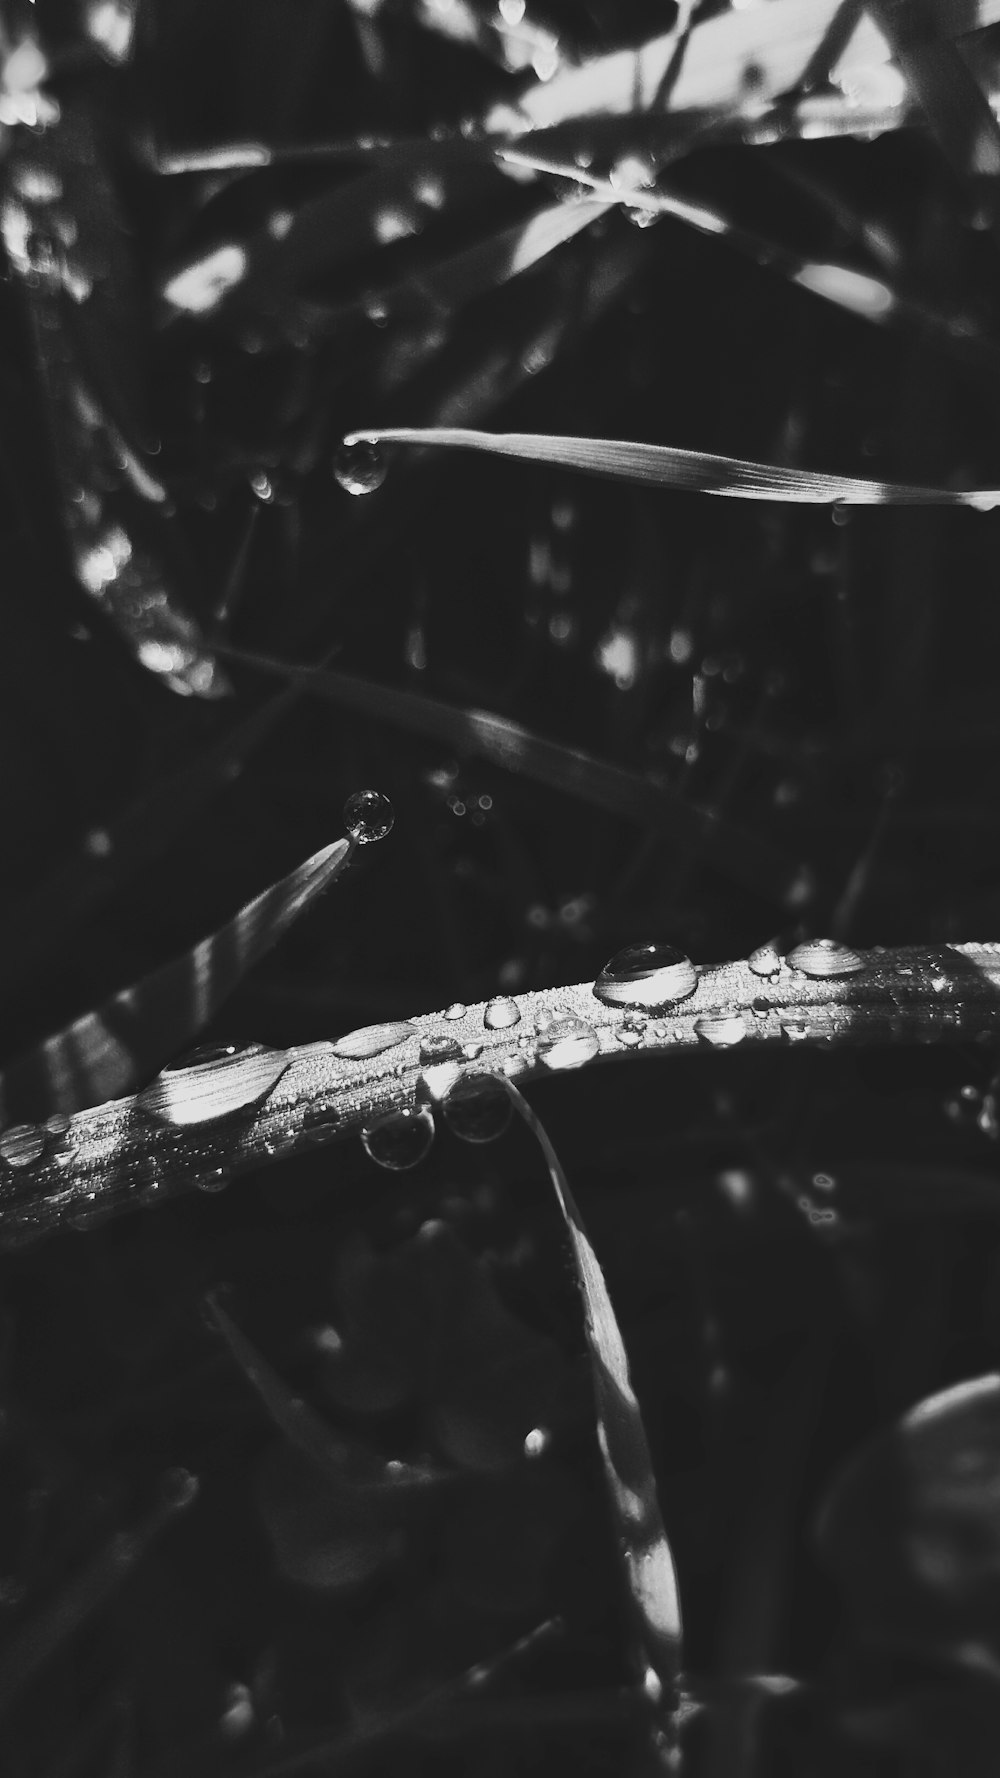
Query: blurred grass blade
(628,1465)
(69,251)
(944,86)
(778,41)
(627,795)
(109,1051)
(698,472)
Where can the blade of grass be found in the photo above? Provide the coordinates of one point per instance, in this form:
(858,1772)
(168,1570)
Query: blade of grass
(666,466)
(110,1049)
(486,735)
(628,1467)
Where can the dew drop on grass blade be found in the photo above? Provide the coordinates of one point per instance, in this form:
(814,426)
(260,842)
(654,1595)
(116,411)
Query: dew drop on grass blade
(628,1466)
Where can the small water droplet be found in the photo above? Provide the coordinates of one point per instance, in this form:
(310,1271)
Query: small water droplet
(794,1030)
(764,960)
(760,1008)
(400,1140)
(472,1050)
(537,1442)
(646,975)
(22,1145)
(477,1109)
(214,1179)
(822,957)
(371,1040)
(722,1029)
(501,1013)
(456,1010)
(360,467)
(368,816)
(439,1077)
(200,1092)
(567,1042)
(439,1046)
(319,1122)
(660,1032)
(629,1035)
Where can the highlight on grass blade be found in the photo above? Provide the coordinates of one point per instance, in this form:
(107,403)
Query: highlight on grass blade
(628,1467)
(666,466)
(109,1050)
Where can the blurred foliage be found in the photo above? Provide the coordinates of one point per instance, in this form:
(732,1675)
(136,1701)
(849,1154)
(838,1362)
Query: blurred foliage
(800,1247)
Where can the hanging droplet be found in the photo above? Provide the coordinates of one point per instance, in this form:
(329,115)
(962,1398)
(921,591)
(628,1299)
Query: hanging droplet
(400,1140)
(764,960)
(646,975)
(22,1145)
(821,957)
(439,1046)
(371,1040)
(437,1079)
(200,1092)
(368,816)
(567,1042)
(501,1014)
(794,1030)
(722,1029)
(360,467)
(477,1109)
(456,1010)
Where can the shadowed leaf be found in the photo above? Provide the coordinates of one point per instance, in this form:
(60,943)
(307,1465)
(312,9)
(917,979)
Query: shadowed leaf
(698,472)
(110,1050)
(628,1466)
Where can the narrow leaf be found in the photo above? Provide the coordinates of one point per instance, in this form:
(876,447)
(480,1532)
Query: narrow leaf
(628,795)
(699,472)
(628,1466)
(108,1051)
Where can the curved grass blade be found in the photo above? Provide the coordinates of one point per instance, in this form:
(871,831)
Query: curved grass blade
(108,1051)
(698,472)
(65,241)
(485,735)
(628,1465)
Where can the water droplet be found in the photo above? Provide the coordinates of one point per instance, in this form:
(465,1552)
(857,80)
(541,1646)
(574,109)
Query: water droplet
(22,1145)
(722,1029)
(368,816)
(477,1109)
(537,1442)
(472,1050)
(646,975)
(199,1092)
(567,1042)
(214,1179)
(371,1040)
(630,1035)
(660,1032)
(360,467)
(400,1140)
(456,1010)
(760,1008)
(439,1046)
(764,960)
(794,1030)
(501,1013)
(821,957)
(439,1078)
(319,1122)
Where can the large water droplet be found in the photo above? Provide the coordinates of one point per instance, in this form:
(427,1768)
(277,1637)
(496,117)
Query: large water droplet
(368,816)
(646,975)
(199,1092)
(477,1108)
(371,1040)
(764,960)
(821,957)
(567,1042)
(501,1013)
(22,1145)
(360,467)
(722,1029)
(439,1046)
(401,1139)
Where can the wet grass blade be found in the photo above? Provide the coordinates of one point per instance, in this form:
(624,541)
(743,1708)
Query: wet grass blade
(666,466)
(628,1466)
(112,1049)
(486,735)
